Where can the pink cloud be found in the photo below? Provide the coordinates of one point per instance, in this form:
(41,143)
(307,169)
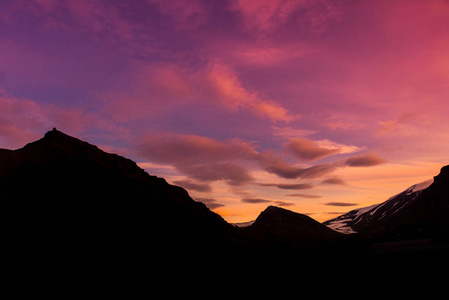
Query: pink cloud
(234,96)
(232,173)
(193,149)
(201,158)
(308,150)
(277,165)
(164,87)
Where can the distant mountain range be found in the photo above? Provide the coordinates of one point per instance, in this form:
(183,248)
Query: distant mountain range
(66,199)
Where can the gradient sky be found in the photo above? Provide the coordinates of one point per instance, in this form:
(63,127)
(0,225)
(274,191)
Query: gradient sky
(317,106)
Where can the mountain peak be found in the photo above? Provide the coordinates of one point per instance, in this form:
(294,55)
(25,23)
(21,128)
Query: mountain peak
(55,136)
(54,133)
(282,225)
(443,176)
(278,214)
(56,139)
(273,208)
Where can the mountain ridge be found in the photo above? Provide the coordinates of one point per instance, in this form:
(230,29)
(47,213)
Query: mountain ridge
(420,211)
(65,198)
(346,222)
(60,190)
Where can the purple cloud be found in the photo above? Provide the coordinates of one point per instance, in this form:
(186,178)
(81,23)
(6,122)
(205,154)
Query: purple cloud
(365,160)
(289,186)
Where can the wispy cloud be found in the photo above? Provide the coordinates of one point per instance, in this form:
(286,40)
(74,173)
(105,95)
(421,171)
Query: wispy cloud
(210,203)
(365,160)
(255,200)
(310,150)
(334,180)
(341,204)
(194,186)
(260,200)
(308,196)
(234,96)
(289,186)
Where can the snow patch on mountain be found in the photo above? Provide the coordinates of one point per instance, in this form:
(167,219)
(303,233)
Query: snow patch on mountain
(421,186)
(345,222)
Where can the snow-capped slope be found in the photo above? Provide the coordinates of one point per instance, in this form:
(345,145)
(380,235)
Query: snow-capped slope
(360,218)
(343,223)
(243,224)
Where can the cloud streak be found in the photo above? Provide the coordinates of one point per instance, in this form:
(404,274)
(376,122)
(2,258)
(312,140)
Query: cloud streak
(260,200)
(289,186)
(228,88)
(309,150)
(255,200)
(308,196)
(210,203)
(340,204)
(194,186)
(365,160)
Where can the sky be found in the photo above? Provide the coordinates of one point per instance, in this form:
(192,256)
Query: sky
(316,106)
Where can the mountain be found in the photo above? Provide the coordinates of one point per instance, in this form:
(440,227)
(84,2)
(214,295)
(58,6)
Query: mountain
(64,197)
(281,226)
(361,218)
(421,211)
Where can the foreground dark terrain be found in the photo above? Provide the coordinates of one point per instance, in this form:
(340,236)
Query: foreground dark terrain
(66,201)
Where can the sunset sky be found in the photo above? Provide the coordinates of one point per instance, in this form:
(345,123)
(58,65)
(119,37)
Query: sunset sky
(317,106)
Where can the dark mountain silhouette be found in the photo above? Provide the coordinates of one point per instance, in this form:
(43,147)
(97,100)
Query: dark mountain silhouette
(66,196)
(421,211)
(278,225)
(426,216)
(369,220)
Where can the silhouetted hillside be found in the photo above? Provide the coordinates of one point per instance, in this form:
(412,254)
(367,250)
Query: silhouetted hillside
(63,195)
(419,212)
(281,226)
